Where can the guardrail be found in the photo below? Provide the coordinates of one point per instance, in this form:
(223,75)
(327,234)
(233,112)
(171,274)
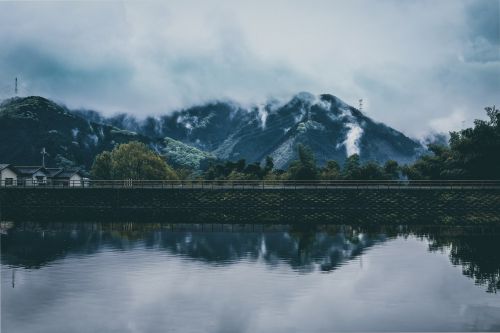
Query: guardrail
(252,184)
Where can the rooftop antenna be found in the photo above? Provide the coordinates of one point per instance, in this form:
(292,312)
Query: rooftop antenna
(15,88)
(43,152)
(360,104)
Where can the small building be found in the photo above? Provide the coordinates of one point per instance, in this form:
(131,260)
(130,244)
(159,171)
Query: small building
(31,175)
(8,175)
(11,175)
(75,177)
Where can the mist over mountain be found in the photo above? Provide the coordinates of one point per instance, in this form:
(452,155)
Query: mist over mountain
(28,124)
(192,137)
(330,127)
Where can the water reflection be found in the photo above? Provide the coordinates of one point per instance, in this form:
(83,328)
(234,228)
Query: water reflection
(303,248)
(478,255)
(123,277)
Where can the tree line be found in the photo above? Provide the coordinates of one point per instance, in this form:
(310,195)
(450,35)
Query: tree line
(473,153)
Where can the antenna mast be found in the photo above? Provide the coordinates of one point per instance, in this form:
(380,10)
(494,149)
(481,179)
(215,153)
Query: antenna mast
(360,104)
(43,152)
(15,88)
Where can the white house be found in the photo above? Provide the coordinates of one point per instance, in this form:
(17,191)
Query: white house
(37,175)
(69,177)
(31,175)
(8,175)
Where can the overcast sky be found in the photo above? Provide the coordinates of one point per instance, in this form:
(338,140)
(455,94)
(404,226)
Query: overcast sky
(420,66)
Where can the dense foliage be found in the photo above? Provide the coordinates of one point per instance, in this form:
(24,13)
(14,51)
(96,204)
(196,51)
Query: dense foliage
(29,124)
(133,160)
(473,153)
(305,168)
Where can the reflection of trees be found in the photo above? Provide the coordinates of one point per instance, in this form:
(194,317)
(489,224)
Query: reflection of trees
(474,248)
(304,249)
(479,256)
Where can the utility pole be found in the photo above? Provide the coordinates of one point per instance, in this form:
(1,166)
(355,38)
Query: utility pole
(15,87)
(43,152)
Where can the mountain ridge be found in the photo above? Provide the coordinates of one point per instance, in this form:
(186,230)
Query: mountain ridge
(27,124)
(332,128)
(219,130)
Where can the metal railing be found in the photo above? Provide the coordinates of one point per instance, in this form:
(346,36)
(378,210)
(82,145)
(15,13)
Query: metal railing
(253,184)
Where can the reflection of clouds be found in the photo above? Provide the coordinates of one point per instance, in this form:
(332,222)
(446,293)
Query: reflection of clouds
(154,291)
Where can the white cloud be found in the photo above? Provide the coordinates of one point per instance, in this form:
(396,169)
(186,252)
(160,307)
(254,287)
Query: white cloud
(353,136)
(412,60)
(454,121)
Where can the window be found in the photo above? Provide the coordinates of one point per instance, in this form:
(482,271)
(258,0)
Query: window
(40,179)
(9,181)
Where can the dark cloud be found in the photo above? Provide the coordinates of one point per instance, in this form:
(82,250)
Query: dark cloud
(483,22)
(416,63)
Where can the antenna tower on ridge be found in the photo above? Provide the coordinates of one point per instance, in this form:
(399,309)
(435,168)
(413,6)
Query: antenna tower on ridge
(15,87)
(360,104)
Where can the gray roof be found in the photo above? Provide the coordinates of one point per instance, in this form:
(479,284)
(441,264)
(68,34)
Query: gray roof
(28,170)
(69,173)
(52,172)
(3,166)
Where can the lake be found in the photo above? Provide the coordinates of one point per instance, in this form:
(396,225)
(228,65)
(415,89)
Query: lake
(126,277)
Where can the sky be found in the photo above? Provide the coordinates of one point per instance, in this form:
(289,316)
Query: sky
(421,66)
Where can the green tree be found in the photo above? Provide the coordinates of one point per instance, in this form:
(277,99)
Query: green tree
(254,171)
(305,167)
(476,150)
(102,167)
(269,165)
(391,169)
(438,165)
(352,168)
(331,171)
(474,153)
(133,160)
(371,171)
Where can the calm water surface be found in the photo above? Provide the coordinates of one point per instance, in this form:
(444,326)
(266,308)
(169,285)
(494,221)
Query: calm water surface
(165,278)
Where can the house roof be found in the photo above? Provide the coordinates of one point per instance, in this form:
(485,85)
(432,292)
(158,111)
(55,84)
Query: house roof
(69,173)
(28,170)
(25,171)
(53,172)
(3,166)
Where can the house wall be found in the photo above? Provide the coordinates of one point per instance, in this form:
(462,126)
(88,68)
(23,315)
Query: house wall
(39,174)
(8,173)
(32,180)
(75,180)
